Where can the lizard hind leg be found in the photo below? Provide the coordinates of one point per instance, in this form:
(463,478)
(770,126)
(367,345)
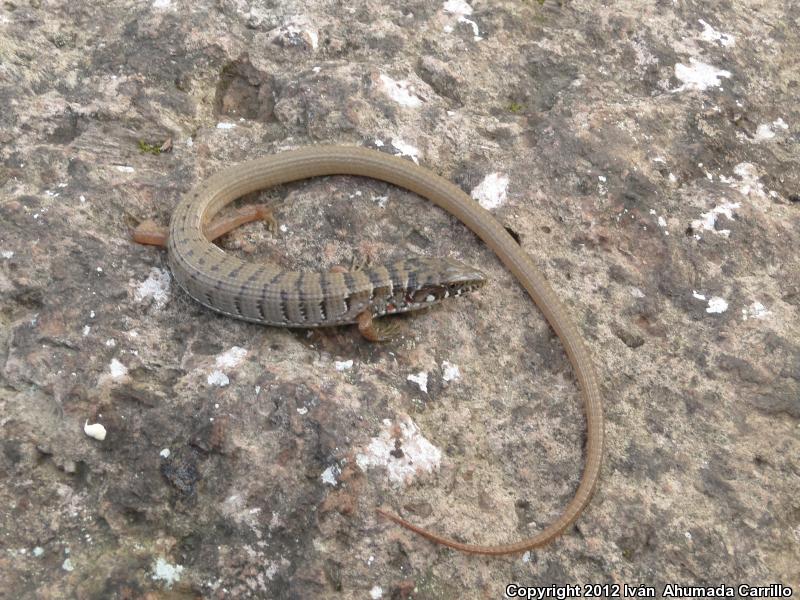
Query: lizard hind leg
(374,332)
(151,233)
(246,214)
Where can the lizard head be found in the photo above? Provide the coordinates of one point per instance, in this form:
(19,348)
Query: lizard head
(422,282)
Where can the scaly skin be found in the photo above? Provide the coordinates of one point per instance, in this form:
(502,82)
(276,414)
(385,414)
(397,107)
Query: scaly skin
(293,299)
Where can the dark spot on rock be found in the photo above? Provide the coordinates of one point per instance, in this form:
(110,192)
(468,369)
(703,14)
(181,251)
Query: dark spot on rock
(713,483)
(783,398)
(11,451)
(385,45)
(66,128)
(469,174)
(745,371)
(421,509)
(584,186)
(403,590)
(639,193)
(244,92)
(333,573)
(630,338)
(397,452)
(440,76)
(29,297)
(181,471)
(205,347)
(635,460)
(513,234)
(137,394)
(547,77)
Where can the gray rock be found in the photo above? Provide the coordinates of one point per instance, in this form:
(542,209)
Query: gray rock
(648,159)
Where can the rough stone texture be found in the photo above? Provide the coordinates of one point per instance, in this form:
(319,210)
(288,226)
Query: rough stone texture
(663,206)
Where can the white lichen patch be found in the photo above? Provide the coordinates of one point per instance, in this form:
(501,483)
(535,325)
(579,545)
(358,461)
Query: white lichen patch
(155,287)
(7,254)
(492,191)
(698,75)
(376,592)
(406,149)
(708,220)
(755,311)
(709,34)
(763,133)
(421,379)
(117,369)
(343,365)
(166,572)
(272,568)
(461,10)
(749,183)
(400,92)
(766,131)
(231,358)
(602,188)
(457,7)
(225,125)
(162,4)
(662,222)
(218,378)
(450,372)
(402,450)
(717,304)
(95,431)
(330,475)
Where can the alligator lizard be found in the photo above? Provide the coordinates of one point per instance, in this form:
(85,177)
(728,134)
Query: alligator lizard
(265,294)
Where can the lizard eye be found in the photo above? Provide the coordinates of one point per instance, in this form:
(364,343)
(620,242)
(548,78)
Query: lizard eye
(454,289)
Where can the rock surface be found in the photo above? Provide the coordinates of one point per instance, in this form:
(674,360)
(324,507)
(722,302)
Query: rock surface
(644,153)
